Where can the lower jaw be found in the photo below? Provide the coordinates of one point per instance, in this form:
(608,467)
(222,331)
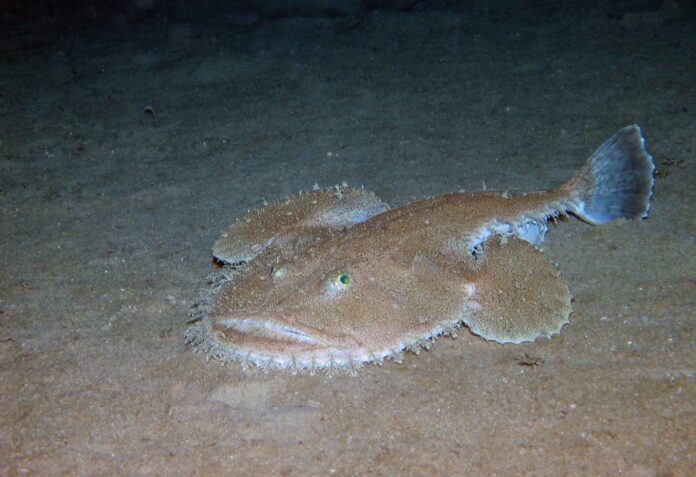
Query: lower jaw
(329,360)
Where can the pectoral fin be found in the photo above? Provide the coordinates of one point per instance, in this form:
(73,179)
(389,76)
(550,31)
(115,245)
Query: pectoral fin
(520,295)
(299,219)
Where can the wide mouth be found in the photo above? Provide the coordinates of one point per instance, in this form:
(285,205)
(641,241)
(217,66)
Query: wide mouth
(267,329)
(267,340)
(270,329)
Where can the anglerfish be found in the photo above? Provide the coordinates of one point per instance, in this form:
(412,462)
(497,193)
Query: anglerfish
(333,279)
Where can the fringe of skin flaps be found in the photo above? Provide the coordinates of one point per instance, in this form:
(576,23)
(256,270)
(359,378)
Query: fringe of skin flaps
(200,336)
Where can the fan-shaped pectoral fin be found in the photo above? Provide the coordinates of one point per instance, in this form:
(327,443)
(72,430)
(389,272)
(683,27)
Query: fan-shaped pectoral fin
(517,294)
(299,219)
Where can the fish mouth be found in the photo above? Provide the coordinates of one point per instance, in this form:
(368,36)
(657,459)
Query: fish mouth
(273,343)
(269,327)
(274,339)
(273,329)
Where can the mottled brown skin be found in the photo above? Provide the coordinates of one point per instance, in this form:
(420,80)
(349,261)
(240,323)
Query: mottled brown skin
(411,274)
(324,296)
(296,218)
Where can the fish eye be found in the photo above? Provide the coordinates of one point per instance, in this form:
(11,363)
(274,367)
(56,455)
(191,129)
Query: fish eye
(337,284)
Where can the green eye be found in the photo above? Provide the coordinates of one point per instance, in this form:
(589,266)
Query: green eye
(337,284)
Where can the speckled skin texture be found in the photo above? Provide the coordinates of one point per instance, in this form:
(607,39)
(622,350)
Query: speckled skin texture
(325,291)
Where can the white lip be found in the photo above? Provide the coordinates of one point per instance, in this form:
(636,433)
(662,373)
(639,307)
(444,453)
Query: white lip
(269,329)
(271,325)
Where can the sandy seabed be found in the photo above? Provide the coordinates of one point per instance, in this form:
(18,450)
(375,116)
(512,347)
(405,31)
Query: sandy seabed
(128,143)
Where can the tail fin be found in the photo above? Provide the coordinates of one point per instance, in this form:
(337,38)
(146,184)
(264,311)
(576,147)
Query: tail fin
(616,181)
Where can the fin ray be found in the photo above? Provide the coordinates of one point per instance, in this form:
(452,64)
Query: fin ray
(617,180)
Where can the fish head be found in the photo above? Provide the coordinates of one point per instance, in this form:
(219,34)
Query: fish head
(337,303)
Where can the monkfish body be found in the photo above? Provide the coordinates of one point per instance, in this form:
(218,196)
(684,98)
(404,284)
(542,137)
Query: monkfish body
(333,279)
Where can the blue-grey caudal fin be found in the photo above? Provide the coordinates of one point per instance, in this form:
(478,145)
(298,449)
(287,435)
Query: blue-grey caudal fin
(617,180)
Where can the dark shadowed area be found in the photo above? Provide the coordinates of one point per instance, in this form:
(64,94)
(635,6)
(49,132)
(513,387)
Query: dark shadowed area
(133,132)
